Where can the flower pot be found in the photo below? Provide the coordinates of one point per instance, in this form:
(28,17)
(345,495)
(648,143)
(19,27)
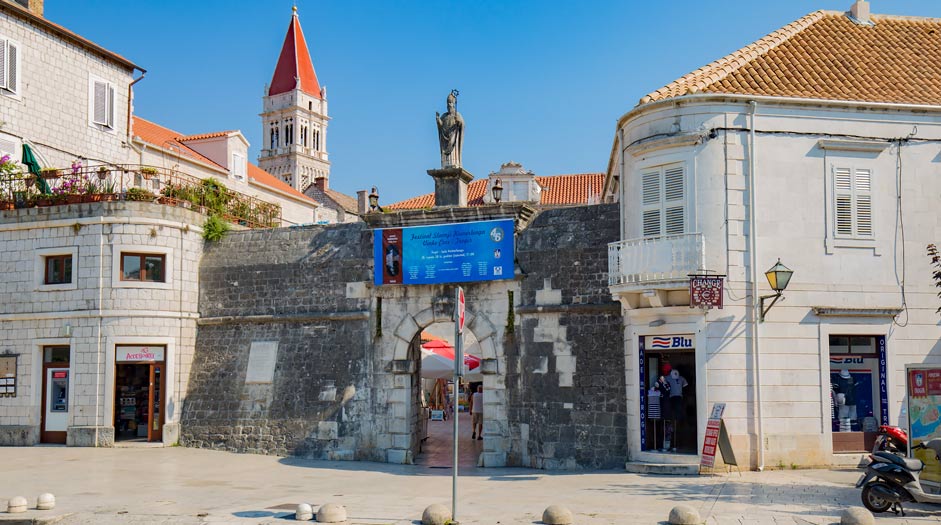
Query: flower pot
(20,199)
(91,197)
(108,197)
(102,174)
(74,198)
(6,206)
(44,202)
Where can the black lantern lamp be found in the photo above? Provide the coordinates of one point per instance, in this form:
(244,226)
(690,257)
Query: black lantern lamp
(778,277)
(497,191)
(373,199)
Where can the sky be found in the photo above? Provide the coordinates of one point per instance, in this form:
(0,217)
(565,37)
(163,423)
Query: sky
(542,82)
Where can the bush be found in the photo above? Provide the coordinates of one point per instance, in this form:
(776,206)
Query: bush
(215,228)
(139,194)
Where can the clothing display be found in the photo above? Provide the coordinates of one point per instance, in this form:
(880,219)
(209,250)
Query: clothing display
(653,403)
(676,383)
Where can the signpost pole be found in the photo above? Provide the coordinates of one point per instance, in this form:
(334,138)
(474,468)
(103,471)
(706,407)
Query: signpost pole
(458,372)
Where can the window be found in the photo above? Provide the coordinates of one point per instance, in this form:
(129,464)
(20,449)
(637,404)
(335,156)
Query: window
(852,193)
(663,201)
(238,166)
(143,267)
(9,66)
(58,269)
(101,98)
(857,385)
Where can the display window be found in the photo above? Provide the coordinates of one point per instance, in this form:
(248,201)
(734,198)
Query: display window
(668,394)
(857,398)
(139,393)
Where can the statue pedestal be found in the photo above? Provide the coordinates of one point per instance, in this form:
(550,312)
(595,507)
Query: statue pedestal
(450,186)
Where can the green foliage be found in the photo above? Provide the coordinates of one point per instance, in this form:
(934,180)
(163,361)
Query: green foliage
(215,228)
(936,269)
(139,194)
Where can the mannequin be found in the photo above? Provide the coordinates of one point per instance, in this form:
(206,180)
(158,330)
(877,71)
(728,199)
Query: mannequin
(846,400)
(653,410)
(676,383)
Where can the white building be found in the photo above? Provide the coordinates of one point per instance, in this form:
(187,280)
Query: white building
(818,145)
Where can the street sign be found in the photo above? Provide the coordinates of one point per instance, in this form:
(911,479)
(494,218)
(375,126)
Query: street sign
(460,310)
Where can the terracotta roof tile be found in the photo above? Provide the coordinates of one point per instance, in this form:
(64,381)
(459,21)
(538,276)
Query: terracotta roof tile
(263,177)
(558,190)
(825,55)
(207,135)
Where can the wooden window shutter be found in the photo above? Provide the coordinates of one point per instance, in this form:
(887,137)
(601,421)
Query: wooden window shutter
(13,64)
(109,112)
(101,103)
(862,182)
(675,201)
(3,63)
(843,192)
(651,203)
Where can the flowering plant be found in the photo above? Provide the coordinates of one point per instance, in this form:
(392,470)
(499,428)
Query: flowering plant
(11,177)
(74,183)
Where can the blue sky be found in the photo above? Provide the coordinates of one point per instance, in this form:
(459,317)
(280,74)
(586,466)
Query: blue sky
(542,82)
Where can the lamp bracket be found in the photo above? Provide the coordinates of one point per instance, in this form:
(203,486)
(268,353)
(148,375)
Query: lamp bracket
(761,305)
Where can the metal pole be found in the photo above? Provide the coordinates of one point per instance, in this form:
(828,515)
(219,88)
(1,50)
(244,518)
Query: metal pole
(458,370)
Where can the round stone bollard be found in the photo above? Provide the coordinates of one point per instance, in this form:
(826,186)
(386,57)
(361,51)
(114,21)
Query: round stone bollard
(436,514)
(46,501)
(17,504)
(684,515)
(557,515)
(304,512)
(856,516)
(331,513)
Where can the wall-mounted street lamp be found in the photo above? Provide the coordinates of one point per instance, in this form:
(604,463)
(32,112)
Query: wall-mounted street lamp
(497,191)
(778,277)
(373,199)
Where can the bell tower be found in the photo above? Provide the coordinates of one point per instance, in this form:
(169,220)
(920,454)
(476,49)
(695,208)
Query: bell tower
(294,117)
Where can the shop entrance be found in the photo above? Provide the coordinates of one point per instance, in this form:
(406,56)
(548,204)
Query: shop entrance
(858,391)
(139,393)
(55,394)
(668,394)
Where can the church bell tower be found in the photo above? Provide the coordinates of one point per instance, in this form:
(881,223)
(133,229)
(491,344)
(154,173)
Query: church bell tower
(294,117)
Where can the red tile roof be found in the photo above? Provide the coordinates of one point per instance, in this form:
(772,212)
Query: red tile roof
(207,135)
(294,69)
(171,140)
(558,190)
(825,55)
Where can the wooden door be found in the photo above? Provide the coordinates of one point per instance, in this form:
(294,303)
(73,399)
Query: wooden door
(155,403)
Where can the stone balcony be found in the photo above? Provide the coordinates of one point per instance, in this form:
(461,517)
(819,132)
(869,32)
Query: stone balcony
(654,268)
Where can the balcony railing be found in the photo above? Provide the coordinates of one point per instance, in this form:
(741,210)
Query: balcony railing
(136,183)
(652,260)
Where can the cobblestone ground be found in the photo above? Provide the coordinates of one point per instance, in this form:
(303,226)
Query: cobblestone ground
(186,486)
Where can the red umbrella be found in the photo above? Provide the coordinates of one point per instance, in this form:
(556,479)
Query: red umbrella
(444,349)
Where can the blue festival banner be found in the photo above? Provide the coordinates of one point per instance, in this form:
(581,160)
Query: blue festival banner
(883,383)
(445,253)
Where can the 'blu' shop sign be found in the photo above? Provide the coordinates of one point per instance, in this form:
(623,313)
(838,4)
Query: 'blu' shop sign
(445,253)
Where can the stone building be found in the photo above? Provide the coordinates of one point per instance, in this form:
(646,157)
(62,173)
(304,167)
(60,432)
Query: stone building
(817,146)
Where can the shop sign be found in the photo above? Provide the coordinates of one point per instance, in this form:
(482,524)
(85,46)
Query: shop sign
(670,342)
(138,353)
(711,439)
(706,291)
(444,253)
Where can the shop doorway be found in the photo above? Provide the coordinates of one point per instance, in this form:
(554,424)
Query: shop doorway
(55,394)
(139,393)
(668,397)
(858,401)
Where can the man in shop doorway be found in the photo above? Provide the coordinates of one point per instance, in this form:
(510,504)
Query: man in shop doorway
(477,413)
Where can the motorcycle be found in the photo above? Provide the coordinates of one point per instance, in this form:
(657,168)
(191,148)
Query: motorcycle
(891,439)
(892,479)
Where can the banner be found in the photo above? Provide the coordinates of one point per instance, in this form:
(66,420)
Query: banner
(445,253)
(923,386)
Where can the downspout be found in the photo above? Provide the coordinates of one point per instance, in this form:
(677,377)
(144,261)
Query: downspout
(130,97)
(621,178)
(752,234)
(99,422)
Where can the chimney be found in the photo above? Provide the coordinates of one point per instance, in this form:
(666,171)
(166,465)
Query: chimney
(321,183)
(362,203)
(860,12)
(34,6)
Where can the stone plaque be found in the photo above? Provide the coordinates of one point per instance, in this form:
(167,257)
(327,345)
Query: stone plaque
(262,358)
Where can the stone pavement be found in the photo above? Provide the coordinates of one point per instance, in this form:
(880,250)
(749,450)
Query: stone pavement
(189,486)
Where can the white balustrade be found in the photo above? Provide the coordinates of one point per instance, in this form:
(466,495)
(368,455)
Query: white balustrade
(656,259)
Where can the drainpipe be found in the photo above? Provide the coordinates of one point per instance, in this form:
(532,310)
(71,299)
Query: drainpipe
(99,415)
(130,97)
(752,235)
(621,178)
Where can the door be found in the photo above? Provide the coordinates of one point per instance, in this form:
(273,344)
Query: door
(55,394)
(155,402)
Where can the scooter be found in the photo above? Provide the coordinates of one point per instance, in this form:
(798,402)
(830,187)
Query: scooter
(891,480)
(891,439)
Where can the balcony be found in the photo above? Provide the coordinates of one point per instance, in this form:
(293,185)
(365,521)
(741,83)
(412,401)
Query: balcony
(78,184)
(656,260)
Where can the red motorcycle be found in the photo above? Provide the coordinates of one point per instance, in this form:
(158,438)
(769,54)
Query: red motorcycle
(891,439)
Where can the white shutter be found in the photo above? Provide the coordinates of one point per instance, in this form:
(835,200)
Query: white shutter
(863,190)
(843,191)
(101,103)
(3,63)
(13,65)
(675,200)
(109,112)
(651,203)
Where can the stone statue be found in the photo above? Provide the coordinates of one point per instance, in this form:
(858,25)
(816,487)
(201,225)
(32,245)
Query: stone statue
(451,133)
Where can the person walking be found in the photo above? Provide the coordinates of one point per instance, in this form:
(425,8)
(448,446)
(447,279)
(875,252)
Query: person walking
(477,413)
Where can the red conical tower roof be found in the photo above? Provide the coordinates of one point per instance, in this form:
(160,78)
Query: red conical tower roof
(294,69)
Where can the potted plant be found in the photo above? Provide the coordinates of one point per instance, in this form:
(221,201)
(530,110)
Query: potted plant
(139,194)
(148,172)
(102,172)
(20,199)
(50,173)
(107,192)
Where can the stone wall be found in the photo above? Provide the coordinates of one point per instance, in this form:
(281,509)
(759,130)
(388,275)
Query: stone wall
(565,372)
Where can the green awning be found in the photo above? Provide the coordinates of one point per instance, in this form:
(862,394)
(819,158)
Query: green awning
(35,169)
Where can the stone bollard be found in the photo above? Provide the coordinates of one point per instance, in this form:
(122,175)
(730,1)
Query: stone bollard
(557,515)
(304,512)
(331,513)
(684,515)
(436,514)
(17,504)
(46,501)
(856,516)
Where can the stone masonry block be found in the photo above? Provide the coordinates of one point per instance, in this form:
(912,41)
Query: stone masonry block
(406,330)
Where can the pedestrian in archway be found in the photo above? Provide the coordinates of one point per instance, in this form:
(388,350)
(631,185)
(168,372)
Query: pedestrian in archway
(477,413)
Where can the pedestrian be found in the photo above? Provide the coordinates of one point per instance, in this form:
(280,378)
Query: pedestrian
(477,413)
